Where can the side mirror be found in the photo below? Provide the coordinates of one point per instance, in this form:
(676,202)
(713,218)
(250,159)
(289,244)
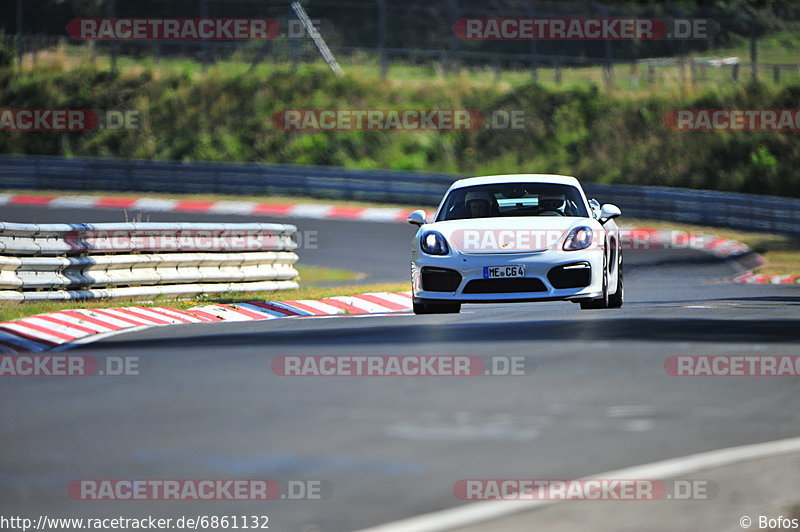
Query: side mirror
(595,206)
(609,211)
(417,217)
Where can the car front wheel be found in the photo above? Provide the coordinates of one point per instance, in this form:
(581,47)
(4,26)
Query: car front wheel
(602,302)
(615,300)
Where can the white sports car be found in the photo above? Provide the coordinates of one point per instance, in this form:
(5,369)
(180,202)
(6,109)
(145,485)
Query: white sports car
(511,238)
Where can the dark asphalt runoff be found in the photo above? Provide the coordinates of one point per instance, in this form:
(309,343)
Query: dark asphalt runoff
(207,405)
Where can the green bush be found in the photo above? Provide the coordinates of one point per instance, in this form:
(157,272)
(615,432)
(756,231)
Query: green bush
(221,116)
(8,50)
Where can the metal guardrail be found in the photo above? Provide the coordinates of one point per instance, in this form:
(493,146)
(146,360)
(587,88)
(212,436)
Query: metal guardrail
(83,261)
(73,239)
(126,175)
(721,209)
(749,212)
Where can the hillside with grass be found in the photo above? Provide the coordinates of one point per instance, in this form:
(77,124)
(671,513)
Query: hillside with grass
(224,114)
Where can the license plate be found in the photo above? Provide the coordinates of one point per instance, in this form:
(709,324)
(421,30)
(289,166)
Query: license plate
(501,272)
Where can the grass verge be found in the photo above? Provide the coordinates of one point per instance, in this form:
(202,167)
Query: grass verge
(318,274)
(309,275)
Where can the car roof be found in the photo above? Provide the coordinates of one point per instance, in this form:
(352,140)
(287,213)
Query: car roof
(516,178)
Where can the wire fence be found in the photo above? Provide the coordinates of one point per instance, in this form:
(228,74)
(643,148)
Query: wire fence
(389,36)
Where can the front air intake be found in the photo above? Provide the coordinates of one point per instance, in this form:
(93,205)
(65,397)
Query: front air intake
(440,279)
(504,286)
(575,275)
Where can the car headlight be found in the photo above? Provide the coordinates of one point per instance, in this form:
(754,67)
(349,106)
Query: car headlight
(433,243)
(578,238)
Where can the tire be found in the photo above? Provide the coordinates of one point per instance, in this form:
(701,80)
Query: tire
(616,299)
(437,308)
(601,302)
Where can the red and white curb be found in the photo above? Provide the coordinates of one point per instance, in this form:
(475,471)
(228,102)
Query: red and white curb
(672,239)
(719,247)
(66,328)
(244,208)
(726,249)
(755,278)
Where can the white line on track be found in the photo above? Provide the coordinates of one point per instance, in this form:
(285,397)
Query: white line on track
(487,510)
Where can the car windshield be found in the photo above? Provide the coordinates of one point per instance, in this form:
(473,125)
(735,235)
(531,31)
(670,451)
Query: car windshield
(513,199)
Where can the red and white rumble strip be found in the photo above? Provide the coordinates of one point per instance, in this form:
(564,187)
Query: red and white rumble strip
(724,248)
(244,208)
(756,278)
(66,328)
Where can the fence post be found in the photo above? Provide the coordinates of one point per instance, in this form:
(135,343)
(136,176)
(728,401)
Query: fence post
(736,72)
(112,13)
(19,32)
(753,43)
(204,14)
(455,43)
(558,73)
(681,44)
(533,43)
(753,51)
(609,73)
(382,38)
(776,74)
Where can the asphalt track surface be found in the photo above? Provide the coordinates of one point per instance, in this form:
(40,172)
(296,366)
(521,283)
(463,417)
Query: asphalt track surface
(207,404)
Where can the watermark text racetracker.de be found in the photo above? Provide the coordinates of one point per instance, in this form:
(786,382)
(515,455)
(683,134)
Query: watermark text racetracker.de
(187,29)
(530,240)
(191,240)
(216,489)
(592,489)
(733,365)
(209,29)
(733,119)
(68,120)
(400,366)
(583,29)
(61,365)
(399,119)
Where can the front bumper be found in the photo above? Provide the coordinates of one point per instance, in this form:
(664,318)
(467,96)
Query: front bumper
(537,267)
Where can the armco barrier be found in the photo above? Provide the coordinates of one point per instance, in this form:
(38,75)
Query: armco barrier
(82,261)
(721,209)
(125,175)
(749,212)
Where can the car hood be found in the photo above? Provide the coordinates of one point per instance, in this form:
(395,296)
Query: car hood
(521,234)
